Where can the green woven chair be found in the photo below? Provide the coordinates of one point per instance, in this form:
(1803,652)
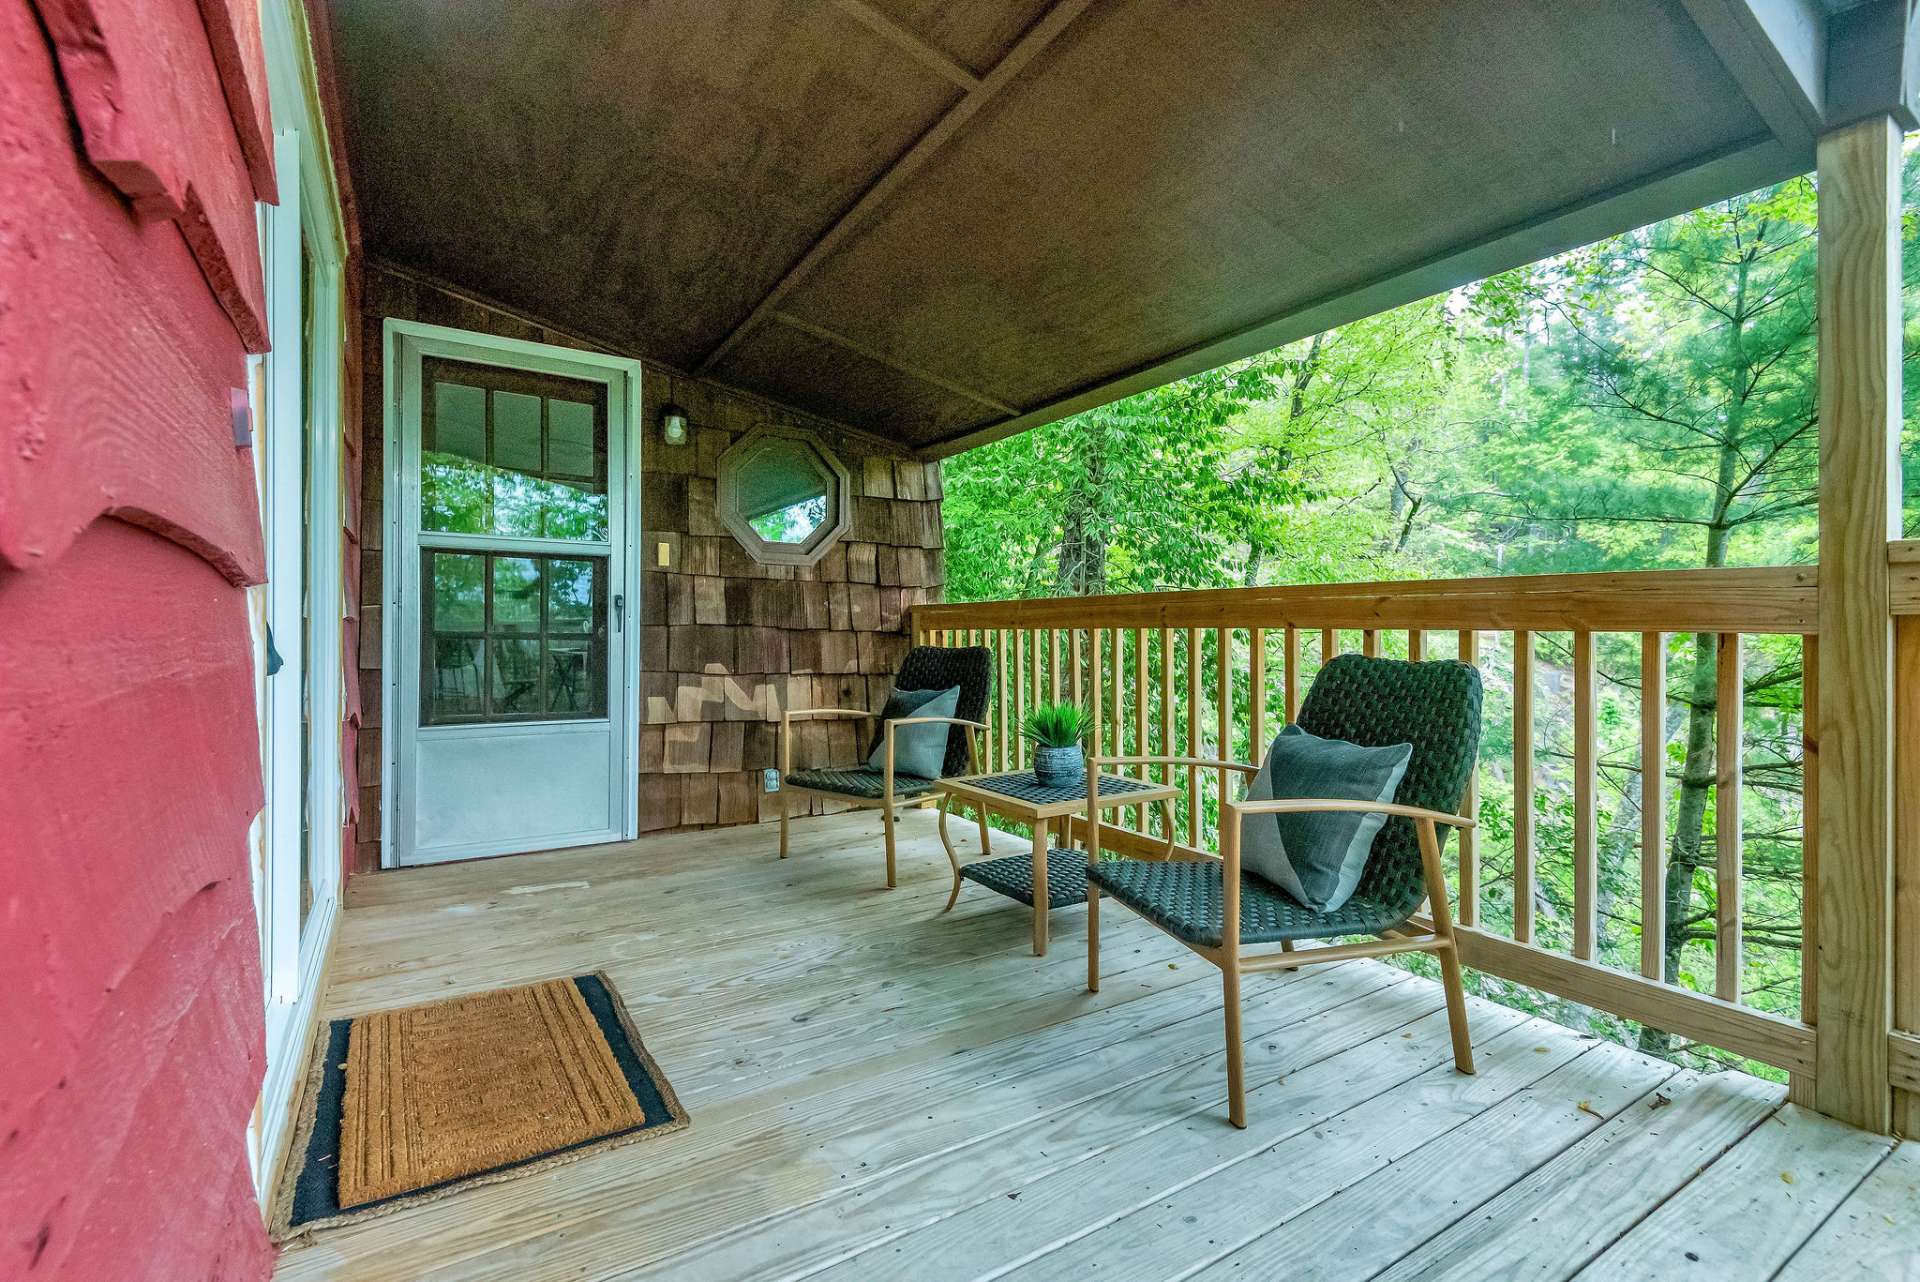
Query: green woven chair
(925,667)
(1215,909)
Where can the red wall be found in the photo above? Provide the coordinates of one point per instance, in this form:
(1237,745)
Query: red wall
(131,151)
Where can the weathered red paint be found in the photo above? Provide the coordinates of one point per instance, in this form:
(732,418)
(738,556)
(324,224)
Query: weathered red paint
(118,361)
(143,84)
(130,984)
(129,974)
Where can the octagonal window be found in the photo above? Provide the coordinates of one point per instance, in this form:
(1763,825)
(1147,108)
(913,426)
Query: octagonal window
(783,495)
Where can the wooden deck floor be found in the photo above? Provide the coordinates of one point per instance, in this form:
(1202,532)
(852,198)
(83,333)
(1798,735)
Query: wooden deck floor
(882,1091)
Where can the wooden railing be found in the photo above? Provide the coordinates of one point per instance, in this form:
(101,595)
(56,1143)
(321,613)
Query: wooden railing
(1214,673)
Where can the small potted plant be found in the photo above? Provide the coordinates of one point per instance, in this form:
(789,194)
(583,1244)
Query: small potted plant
(1056,730)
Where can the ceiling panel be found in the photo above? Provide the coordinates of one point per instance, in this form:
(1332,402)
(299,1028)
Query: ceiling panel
(1164,175)
(1175,170)
(639,171)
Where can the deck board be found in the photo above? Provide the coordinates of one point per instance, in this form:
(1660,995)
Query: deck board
(880,1089)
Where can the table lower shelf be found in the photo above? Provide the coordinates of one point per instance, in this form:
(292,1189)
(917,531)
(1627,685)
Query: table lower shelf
(1012,876)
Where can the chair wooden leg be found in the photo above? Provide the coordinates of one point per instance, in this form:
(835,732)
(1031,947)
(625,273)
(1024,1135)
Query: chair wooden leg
(1093,939)
(783,825)
(1450,955)
(886,822)
(1456,1009)
(1236,1067)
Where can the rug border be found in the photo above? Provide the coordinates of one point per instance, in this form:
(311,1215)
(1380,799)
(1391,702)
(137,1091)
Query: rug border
(283,1232)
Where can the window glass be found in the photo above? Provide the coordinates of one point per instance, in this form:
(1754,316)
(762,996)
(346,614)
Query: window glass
(512,637)
(516,594)
(512,453)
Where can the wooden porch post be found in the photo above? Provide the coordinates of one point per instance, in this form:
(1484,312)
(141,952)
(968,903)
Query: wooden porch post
(1859,305)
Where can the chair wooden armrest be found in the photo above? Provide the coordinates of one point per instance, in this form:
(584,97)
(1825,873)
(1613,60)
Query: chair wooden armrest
(1321,805)
(1209,763)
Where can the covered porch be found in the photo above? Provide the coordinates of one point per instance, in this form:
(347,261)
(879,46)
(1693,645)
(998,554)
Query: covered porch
(609,355)
(884,1090)
(958,252)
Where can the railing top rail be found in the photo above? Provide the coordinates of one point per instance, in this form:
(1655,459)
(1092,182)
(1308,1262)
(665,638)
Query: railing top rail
(1769,599)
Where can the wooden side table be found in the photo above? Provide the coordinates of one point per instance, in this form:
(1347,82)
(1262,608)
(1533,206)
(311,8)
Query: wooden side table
(1052,876)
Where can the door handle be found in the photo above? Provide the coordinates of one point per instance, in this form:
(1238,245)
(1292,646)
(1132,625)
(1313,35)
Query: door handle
(619,612)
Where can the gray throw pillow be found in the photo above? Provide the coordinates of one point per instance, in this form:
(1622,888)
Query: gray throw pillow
(1318,858)
(917,750)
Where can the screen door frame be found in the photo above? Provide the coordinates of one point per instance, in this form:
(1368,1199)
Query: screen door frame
(406,346)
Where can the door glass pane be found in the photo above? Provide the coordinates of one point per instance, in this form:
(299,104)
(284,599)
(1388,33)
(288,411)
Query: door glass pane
(453,680)
(516,432)
(513,638)
(569,683)
(516,676)
(570,595)
(571,445)
(516,594)
(513,453)
(454,493)
(459,592)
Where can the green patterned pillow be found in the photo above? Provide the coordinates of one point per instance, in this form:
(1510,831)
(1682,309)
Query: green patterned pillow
(1318,858)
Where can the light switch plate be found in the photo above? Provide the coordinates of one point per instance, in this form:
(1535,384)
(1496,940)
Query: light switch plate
(663,553)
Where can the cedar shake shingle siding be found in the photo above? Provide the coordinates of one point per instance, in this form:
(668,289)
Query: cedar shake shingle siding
(726,643)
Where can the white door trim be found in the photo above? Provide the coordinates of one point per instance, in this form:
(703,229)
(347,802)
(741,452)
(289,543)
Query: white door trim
(294,955)
(402,338)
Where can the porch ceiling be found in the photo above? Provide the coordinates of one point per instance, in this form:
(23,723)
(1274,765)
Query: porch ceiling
(948,222)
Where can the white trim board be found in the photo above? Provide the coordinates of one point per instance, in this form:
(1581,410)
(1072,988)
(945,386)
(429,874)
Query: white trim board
(293,953)
(618,372)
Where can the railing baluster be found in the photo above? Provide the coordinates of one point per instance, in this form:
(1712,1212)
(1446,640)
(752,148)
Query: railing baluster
(1523,787)
(1329,644)
(1166,710)
(1117,736)
(997,758)
(1810,829)
(1293,673)
(1470,804)
(1053,664)
(1256,693)
(1140,748)
(1585,809)
(1075,659)
(1370,642)
(1223,703)
(1022,679)
(1093,680)
(1729,719)
(1653,804)
(1417,650)
(1193,735)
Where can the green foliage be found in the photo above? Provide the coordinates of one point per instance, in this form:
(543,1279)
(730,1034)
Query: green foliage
(1646,402)
(1055,725)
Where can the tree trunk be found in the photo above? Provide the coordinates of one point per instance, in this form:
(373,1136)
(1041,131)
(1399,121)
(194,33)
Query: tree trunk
(1687,854)
(1082,566)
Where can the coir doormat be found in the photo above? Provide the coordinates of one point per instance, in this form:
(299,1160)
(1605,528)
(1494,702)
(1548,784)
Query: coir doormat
(406,1106)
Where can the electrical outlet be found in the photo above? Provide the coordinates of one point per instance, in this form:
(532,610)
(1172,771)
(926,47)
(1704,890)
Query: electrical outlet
(770,779)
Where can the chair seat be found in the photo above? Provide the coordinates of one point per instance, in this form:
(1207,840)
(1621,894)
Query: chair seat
(1012,876)
(1185,898)
(859,781)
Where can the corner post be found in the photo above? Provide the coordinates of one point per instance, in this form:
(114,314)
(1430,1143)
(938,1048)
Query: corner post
(1859,339)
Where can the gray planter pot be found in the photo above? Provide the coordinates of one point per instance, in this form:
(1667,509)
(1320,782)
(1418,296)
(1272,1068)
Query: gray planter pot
(1060,767)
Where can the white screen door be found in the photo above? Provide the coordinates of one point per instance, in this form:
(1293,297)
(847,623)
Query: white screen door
(512,634)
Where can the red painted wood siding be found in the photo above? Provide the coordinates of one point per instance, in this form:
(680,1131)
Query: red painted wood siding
(131,137)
